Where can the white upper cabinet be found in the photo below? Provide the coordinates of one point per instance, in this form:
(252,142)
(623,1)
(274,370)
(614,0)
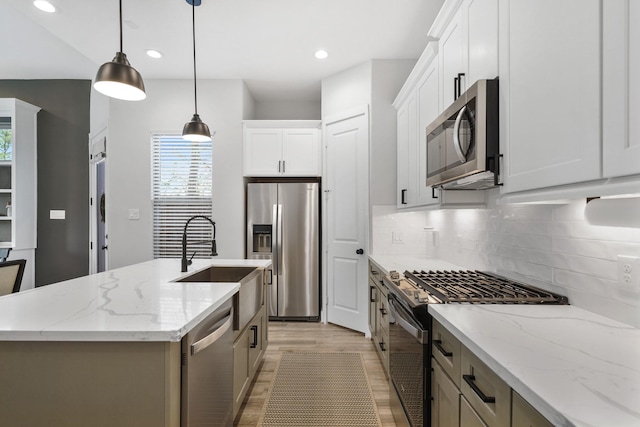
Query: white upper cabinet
(481,18)
(417,106)
(550,61)
(428,95)
(467,31)
(282,148)
(405,188)
(451,54)
(621,88)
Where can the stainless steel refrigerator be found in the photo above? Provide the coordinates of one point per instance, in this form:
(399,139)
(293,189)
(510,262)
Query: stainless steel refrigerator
(283,224)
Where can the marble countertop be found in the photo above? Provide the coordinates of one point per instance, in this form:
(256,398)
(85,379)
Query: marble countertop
(575,367)
(140,302)
(400,263)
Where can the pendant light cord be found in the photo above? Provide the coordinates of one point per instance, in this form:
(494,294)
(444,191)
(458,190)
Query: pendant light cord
(195,89)
(120,25)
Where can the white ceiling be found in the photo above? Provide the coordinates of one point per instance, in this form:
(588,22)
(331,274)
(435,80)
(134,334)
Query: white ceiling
(268,43)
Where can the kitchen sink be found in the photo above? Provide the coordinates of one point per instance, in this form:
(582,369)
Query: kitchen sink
(219,274)
(247,301)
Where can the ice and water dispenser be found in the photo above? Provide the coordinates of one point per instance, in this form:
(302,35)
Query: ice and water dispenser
(262,238)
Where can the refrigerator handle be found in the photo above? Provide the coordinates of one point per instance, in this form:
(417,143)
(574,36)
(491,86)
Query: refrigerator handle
(275,242)
(280,240)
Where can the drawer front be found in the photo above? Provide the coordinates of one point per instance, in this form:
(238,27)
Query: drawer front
(525,415)
(487,394)
(446,350)
(469,417)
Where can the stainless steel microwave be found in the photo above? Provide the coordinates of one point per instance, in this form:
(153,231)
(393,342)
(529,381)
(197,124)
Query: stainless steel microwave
(462,143)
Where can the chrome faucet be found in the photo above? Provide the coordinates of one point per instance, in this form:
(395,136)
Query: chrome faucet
(214,251)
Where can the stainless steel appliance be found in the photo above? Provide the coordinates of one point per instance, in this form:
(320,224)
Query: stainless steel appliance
(207,371)
(463,144)
(410,338)
(283,225)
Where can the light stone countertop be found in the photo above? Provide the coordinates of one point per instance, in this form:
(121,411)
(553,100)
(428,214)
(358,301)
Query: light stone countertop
(140,302)
(575,367)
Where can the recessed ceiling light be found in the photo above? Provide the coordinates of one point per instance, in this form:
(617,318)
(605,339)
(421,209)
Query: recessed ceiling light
(44,6)
(155,54)
(321,54)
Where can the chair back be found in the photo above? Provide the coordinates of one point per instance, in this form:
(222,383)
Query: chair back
(11,273)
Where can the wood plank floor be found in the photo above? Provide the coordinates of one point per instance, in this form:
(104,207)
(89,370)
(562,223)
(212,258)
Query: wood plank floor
(303,336)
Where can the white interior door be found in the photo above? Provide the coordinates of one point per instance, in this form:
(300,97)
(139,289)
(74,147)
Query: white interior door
(347,200)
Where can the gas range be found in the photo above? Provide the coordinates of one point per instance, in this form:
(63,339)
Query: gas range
(466,286)
(410,325)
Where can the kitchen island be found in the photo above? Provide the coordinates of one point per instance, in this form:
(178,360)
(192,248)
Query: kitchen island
(104,349)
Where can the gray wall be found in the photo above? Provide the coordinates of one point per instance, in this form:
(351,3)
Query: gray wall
(63,173)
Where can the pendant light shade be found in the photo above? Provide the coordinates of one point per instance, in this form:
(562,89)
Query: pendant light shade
(196,129)
(118,79)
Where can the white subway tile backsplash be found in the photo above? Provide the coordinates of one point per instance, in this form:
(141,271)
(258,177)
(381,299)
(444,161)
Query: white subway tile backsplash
(548,244)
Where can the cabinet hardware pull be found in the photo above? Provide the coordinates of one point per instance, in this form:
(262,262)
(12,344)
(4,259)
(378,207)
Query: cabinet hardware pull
(403,200)
(383,311)
(279,165)
(494,165)
(371,297)
(254,344)
(455,87)
(460,76)
(445,353)
(469,379)
(284,166)
(433,193)
(382,348)
(374,272)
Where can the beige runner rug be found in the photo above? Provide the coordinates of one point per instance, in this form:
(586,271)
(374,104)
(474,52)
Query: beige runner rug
(320,390)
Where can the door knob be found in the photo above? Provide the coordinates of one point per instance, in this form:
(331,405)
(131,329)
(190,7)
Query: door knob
(360,251)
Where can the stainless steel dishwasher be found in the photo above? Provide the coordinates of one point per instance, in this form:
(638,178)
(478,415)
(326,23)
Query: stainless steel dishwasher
(207,371)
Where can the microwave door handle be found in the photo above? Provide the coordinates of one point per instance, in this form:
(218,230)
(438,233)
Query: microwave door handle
(456,136)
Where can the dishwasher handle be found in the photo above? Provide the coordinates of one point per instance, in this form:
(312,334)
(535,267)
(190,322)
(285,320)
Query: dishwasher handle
(214,336)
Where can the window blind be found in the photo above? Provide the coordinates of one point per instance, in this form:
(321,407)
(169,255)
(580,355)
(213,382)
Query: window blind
(181,187)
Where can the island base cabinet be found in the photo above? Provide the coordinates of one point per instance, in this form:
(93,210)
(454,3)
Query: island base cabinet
(68,384)
(248,350)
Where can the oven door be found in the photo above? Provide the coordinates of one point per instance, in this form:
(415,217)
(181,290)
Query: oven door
(408,363)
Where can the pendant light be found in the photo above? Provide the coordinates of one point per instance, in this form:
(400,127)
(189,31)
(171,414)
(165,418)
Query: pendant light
(118,79)
(196,129)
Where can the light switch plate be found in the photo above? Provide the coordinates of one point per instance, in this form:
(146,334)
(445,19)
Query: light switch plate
(57,214)
(397,237)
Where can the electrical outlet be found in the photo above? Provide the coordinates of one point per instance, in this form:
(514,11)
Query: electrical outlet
(628,272)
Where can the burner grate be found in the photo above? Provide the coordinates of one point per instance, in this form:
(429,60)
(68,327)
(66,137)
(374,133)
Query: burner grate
(481,288)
